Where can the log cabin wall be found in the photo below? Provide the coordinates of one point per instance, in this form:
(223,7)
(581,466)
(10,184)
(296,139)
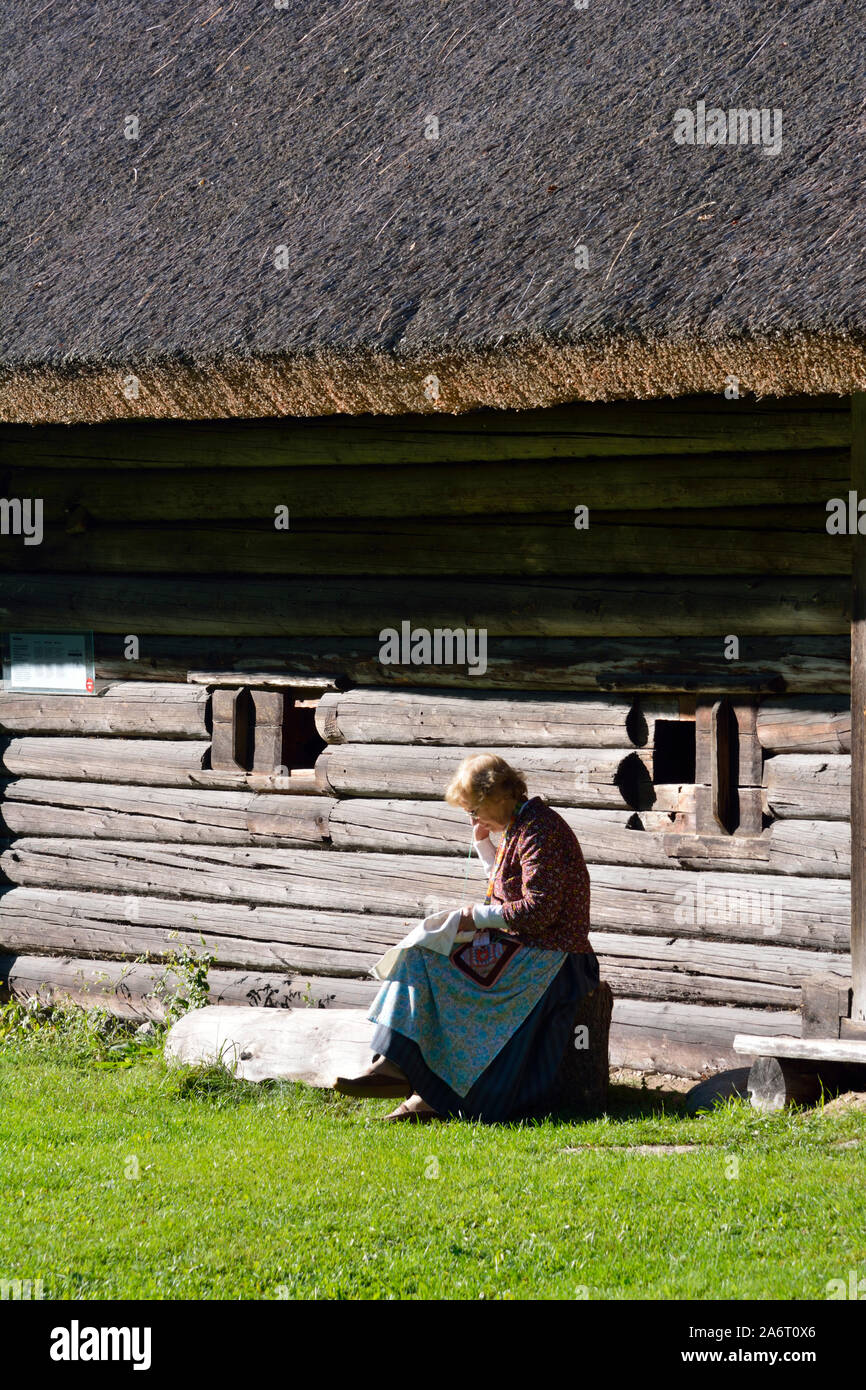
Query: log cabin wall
(706,521)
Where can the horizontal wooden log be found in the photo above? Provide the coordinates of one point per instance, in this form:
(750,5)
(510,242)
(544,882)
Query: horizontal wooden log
(607,607)
(345,945)
(766,1044)
(693,425)
(155,709)
(686,1039)
(608,778)
(809,785)
(817,724)
(427,827)
(785,910)
(633,665)
(145,762)
(42,806)
(339,944)
(140,992)
(309,1045)
(428,716)
(434,489)
(716,541)
(814,849)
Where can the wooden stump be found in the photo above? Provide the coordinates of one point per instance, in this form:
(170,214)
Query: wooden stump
(580,1087)
(775,1082)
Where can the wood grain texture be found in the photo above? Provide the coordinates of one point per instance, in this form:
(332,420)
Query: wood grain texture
(117,494)
(779,909)
(42,806)
(808,724)
(715,541)
(809,785)
(608,607)
(130,709)
(706,424)
(607,778)
(430,716)
(794,663)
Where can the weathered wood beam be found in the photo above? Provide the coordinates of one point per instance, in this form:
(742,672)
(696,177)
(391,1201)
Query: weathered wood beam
(805,724)
(723,541)
(126,709)
(694,425)
(686,1039)
(771,908)
(612,778)
(141,991)
(42,806)
(794,663)
(116,494)
(144,762)
(809,785)
(428,716)
(611,606)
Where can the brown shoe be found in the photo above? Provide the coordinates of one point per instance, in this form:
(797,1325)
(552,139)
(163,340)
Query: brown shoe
(418,1117)
(373,1086)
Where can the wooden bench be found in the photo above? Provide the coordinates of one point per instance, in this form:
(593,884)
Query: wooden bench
(315,1045)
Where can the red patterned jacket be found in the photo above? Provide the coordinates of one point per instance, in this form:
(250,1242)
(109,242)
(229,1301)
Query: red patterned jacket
(543,882)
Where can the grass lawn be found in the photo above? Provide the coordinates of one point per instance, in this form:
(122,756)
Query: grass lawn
(282,1191)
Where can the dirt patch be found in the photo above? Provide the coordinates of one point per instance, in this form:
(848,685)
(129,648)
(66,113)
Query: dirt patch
(651,1080)
(848,1102)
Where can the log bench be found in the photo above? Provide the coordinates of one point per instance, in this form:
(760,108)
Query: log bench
(315,1045)
(787,1071)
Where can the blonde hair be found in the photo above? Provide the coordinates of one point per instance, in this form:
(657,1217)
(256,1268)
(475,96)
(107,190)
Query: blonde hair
(483,775)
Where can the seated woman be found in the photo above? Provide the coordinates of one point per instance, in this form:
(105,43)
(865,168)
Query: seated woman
(481,1034)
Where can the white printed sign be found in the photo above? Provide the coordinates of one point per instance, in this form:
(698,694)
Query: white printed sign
(51,663)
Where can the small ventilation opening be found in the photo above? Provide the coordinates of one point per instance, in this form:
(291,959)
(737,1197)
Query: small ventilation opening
(674,751)
(302,742)
(726,797)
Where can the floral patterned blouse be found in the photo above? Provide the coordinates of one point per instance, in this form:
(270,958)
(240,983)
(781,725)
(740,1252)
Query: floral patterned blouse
(541,890)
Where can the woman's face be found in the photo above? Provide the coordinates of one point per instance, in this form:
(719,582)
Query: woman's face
(493,812)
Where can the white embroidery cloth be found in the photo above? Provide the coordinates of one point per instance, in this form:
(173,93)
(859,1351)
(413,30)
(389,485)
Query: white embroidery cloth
(438,932)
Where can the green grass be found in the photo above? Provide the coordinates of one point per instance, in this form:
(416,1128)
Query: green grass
(282,1191)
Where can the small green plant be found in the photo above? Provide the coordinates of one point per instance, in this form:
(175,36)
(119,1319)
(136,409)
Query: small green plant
(184,984)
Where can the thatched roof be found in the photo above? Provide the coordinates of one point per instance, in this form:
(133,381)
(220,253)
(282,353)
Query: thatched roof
(406,257)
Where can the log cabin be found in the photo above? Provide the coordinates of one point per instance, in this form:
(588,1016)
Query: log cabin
(338,326)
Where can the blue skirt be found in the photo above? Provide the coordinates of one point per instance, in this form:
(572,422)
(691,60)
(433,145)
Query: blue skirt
(522,1073)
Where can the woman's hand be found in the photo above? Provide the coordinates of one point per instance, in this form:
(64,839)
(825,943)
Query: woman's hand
(466,922)
(480,832)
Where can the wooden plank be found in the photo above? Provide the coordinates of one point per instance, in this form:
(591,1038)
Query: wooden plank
(422,827)
(633,665)
(807,1049)
(76,922)
(645,607)
(602,777)
(722,541)
(685,1039)
(693,425)
(145,762)
(153,762)
(814,849)
(139,991)
(34,806)
(429,716)
(159,710)
(785,910)
(858,726)
(116,494)
(805,724)
(809,785)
